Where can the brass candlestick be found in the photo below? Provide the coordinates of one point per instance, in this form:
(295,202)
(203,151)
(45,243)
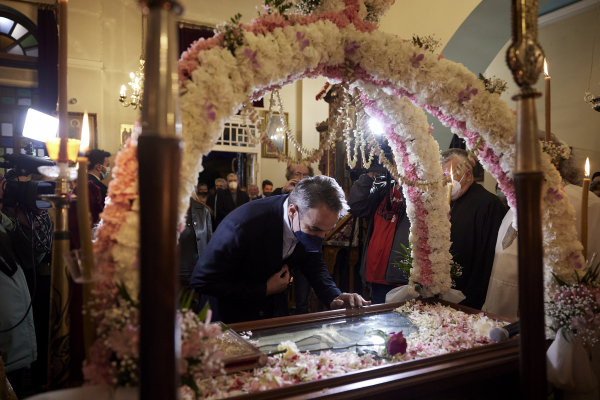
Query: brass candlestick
(525,58)
(59,356)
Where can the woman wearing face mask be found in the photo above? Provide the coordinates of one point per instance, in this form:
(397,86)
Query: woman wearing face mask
(229,199)
(99,170)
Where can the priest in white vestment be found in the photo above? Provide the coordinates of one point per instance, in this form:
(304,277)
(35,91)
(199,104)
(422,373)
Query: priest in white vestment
(503,292)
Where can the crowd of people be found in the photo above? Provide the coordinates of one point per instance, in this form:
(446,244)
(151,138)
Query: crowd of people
(241,247)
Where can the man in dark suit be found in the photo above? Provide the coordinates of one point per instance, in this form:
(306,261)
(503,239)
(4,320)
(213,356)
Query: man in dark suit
(245,268)
(99,170)
(229,199)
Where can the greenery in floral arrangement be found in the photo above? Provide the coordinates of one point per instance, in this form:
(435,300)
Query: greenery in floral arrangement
(494,85)
(233,35)
(306,7)
(426,42)
(406,261)
(576,307)
(372,14)
(279,6)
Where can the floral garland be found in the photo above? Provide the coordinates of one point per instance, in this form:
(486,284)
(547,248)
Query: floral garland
(337,32)
(219,75)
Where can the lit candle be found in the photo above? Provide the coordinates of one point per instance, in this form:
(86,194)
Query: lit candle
(547,99)
(62,81)
(450,186)
(584,208)
(85,232)
(123,91)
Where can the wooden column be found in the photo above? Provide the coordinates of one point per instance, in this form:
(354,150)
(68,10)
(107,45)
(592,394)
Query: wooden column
(525,58)
(159,156)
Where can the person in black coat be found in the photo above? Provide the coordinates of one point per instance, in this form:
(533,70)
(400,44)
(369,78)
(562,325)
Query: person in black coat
(99,170)
(228,200)
(244,270)
(476,216)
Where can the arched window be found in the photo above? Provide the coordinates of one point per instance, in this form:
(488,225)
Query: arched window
(18,34)
(18,49)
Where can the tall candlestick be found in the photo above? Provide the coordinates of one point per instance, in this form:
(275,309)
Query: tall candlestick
(584,208)
(450,186)
(62,80)
(85,233)
(547,102)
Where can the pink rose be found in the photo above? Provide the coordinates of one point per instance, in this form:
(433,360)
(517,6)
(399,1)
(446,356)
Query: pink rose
(396,343)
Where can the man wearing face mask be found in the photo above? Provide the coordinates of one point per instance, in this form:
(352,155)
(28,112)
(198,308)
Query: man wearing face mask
(99,170)
(476,216)
(229,199)
(245,268)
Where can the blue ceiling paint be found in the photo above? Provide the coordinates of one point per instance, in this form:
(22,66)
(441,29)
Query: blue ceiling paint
(475,45)
(556,5)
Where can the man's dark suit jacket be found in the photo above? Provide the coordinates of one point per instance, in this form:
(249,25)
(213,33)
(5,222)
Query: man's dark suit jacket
(244,253)
(224,202)
(103,188)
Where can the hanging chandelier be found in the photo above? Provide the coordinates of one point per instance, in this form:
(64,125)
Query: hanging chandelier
(136,82)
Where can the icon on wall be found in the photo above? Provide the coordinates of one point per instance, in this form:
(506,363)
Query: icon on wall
(75,123)
(125,133)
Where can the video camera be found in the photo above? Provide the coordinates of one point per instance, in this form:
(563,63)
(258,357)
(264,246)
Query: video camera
(25,193)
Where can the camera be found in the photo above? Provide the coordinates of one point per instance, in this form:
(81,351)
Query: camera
(25,193)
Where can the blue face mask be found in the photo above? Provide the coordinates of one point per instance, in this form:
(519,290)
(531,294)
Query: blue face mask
(311,243)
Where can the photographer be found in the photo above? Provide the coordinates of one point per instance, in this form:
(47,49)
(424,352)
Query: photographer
(17,345)
(383,205)
(26,237)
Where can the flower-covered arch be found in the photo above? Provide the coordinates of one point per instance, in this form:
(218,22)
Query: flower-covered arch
(245,61)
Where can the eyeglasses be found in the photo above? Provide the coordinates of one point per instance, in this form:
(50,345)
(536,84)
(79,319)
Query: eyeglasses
(300,175)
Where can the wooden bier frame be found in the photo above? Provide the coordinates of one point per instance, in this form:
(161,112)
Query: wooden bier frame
(491,369)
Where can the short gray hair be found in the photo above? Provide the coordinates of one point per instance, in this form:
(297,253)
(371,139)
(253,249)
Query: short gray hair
(232,174)
(449,154)
(318,191)
(220,180)
(289,173)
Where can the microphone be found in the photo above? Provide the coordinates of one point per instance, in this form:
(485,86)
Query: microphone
(505,333)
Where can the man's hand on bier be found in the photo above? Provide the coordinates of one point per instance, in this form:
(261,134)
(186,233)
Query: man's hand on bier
(289,186)
(278,281)
(348,300)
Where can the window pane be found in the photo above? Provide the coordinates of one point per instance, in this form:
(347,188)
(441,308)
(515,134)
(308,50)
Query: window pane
(24,92)
(5,25)
(7,141)
(16,50)
(41,153)
(32,52)
(5,41)
(9,100)
(7,129)
(5,117)
(19,32)
(24,102)
(29,41)
(22,151)
(9,150)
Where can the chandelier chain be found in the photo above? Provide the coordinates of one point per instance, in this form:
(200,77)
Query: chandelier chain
(594,44)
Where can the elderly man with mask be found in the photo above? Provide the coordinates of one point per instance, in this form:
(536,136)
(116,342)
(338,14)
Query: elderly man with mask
(476,216)
(245,268)
(229,199)
(294,173)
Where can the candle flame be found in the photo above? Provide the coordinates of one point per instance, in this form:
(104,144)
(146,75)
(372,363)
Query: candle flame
(451,174)
(85,134)
(546,68)
(587,167)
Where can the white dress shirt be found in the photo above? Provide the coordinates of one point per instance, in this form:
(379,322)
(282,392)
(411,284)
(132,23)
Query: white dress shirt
(289,239)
